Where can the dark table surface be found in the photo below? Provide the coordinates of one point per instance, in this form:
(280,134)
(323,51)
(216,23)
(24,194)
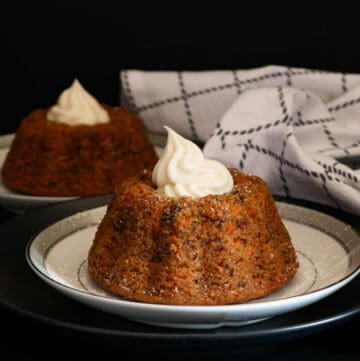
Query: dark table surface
(26,338)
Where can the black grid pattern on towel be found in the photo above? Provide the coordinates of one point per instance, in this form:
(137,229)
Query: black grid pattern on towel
(237,82)
(332,140)
(324,176)
(344,105)
(286,119)
(337,172)
(344,87)
(328,175)
(128,92)
(288,74)
(187,107)
(281,170)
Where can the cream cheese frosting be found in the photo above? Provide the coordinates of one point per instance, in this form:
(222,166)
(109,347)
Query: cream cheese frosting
(183,170)
(76,106)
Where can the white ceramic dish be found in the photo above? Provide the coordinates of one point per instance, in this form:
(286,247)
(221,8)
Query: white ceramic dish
(19,203)
(328,252)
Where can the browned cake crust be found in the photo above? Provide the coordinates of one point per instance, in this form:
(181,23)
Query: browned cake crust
(54,159)
(212,250)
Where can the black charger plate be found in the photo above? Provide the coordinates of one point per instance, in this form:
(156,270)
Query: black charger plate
(21,290)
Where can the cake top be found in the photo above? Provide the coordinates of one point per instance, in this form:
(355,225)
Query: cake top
(76,106)
(183,170)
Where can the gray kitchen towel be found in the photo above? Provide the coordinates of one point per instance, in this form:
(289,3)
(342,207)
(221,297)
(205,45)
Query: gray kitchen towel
(298,129)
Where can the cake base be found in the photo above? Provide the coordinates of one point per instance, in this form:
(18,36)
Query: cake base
(206,251)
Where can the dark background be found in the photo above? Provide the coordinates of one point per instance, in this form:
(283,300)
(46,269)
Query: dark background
(46,44)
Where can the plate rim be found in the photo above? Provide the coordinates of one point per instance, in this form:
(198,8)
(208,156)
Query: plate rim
(206,311)
(309,322)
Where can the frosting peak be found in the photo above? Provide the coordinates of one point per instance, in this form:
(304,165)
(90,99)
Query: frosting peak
(76,106)
(183,170)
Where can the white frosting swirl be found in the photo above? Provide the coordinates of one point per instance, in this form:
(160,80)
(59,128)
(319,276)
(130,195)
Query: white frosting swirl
(183,170)
(76,106)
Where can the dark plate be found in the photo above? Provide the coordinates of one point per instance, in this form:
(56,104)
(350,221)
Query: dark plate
(21,290)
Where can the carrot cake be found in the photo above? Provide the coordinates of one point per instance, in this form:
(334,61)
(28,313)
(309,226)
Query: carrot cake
(77,148)
(192,232)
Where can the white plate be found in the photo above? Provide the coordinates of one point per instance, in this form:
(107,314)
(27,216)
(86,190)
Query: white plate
(328,251)
(19,203)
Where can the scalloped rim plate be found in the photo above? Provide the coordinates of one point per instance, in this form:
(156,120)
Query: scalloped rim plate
(17,202)
(328,251)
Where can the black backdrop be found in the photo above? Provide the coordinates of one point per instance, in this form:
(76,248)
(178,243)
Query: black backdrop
(46,44)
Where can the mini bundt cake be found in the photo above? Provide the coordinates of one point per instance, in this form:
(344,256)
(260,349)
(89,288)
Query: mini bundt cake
(79,148)
(211,249)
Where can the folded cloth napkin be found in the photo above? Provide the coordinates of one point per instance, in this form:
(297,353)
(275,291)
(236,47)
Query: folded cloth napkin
(298,129)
